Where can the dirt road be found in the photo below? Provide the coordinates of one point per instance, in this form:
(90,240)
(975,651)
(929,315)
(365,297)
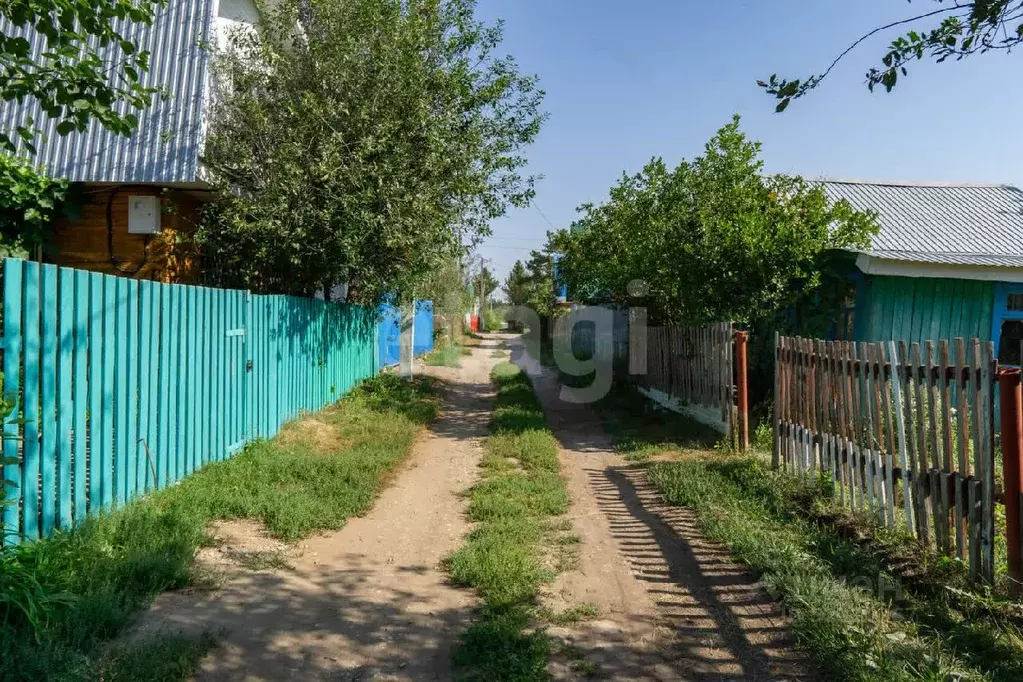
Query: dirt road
(672,606)
(371,601)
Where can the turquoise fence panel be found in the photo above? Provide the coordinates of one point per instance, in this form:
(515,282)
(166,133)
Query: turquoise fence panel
(12,291)
(174,399)
(134,449)
(125,387)
(80,393)
(146,368)
(48,414)
(203,370)
(122,393)
(95,388)
(30,459)
(252,339)
(276,371)
(66,287)
(184,376)
(192,376)
(107,391)
(219,330)
(164,389)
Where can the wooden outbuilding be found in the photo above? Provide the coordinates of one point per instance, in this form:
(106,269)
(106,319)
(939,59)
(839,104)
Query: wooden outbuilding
(947,263)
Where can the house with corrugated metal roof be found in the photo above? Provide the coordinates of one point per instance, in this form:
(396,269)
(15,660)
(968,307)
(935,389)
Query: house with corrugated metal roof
(142,191)
(947,263)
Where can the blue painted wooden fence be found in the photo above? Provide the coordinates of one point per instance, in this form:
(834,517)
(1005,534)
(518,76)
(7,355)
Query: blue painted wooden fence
(388,336)
(124,387)
(422,324)
(389,332)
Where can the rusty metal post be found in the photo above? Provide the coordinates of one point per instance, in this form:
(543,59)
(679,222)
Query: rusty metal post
(1012,446)
(742,388)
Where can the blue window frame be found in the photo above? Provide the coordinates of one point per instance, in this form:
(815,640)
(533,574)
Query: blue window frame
(1007,324)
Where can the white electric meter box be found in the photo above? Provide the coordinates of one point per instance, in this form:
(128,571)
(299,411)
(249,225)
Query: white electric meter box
(143,215)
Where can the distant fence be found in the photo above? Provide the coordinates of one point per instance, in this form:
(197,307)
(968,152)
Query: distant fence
(906,433)
(125,386)
(687,369)
(690,370)
(389,332)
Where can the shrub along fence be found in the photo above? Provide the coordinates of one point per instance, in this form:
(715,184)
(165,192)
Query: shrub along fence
(906,432)
(120,387)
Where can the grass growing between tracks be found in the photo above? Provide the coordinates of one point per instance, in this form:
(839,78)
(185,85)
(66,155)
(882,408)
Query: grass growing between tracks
(64,601)
(504,557)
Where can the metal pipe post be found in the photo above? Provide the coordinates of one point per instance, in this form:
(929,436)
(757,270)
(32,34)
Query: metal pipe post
(741,338)
(1012,445)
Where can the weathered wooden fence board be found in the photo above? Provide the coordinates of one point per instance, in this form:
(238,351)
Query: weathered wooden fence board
(689,369)
(906,434)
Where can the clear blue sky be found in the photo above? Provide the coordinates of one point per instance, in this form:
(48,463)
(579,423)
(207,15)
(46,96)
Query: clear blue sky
(626,81)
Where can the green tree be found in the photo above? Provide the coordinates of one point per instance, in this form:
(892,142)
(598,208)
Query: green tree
(516,284)
(89,68)
(29,202)
(487,283)
(447,288)
(713,239)
(963,29)
(367,151)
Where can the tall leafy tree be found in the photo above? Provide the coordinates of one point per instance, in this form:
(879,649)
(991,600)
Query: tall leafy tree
(89,68)
(712,239)
(957,29)
(367,148)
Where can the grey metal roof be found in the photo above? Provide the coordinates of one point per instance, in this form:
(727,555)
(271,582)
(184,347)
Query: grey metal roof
(940,223)
(165,148)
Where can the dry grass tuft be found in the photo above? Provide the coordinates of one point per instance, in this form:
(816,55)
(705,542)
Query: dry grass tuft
(313,433)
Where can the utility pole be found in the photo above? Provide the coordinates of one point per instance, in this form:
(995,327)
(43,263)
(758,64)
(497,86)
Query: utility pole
(482,290)
(406,339)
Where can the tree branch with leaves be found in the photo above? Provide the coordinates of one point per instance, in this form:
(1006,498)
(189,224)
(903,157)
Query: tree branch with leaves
(964,29)
(370,152)
(713,238)
(88,69)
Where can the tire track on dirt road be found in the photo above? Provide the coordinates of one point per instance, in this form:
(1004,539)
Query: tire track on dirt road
(673,606)
(370,601)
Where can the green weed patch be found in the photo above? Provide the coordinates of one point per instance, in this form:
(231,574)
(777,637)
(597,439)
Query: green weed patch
(850,609)
(503,558)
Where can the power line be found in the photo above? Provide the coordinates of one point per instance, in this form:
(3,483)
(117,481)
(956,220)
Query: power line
(544,216)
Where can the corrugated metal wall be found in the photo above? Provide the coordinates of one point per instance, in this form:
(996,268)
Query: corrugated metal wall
(125,387)
(165,148)
(923,309)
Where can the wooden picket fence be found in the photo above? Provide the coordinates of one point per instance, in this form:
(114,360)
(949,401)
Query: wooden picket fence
(691,370)
(905,431)
(123,386)
(687,369)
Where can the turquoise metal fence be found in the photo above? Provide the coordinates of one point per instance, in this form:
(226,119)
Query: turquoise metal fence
(123,386)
